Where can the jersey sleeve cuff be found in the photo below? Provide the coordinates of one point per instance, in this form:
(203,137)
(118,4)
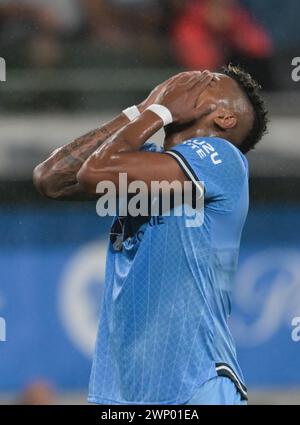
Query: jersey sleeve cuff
(188,171)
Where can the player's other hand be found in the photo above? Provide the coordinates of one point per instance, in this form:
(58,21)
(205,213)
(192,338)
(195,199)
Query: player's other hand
(154,95)
(158,91)
(181,93)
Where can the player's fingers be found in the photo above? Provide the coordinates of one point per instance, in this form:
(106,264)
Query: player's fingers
(199,78)
(203,110)
(205,76)
(214,81)
(183,80)
(208,110)
(202,83)
(195,78)
(186,79)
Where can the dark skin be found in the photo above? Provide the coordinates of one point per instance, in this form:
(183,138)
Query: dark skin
(56,177)
(202,104)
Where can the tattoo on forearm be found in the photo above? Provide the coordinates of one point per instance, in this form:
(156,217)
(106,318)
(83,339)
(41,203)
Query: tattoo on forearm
(65,162)
(74,154)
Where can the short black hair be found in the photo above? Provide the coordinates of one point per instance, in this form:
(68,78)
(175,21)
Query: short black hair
(252,90)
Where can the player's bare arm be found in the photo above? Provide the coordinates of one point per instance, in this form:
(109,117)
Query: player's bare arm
(56,177)
(121,154)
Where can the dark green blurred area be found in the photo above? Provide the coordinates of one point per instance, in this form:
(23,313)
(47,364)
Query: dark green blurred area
(84,71)
(114,57)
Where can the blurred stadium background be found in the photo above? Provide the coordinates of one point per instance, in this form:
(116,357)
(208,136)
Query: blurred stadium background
(71,65)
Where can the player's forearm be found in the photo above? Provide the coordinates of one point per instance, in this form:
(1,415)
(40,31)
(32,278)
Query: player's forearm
(110,158)
(56,176)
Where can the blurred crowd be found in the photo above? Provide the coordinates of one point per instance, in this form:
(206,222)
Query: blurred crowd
(191,34)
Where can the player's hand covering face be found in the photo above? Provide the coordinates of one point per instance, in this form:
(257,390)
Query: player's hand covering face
(122,153)
(181,94)
(184,79)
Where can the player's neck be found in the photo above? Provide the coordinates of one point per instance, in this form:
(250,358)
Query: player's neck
(175,138)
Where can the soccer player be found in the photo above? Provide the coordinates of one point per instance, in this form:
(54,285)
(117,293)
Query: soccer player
(164,336)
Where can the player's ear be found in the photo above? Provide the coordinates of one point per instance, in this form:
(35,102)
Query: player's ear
(225,119)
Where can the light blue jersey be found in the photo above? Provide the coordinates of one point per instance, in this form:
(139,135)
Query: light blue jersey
(163,330)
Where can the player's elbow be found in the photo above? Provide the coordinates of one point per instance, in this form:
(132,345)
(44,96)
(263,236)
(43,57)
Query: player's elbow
(39,179)
(43,182)
(92,180)
(85,180)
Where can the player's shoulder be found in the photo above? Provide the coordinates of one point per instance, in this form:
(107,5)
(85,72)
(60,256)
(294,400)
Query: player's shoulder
(217,149)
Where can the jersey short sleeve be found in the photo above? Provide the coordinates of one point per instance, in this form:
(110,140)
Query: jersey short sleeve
(216,165)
